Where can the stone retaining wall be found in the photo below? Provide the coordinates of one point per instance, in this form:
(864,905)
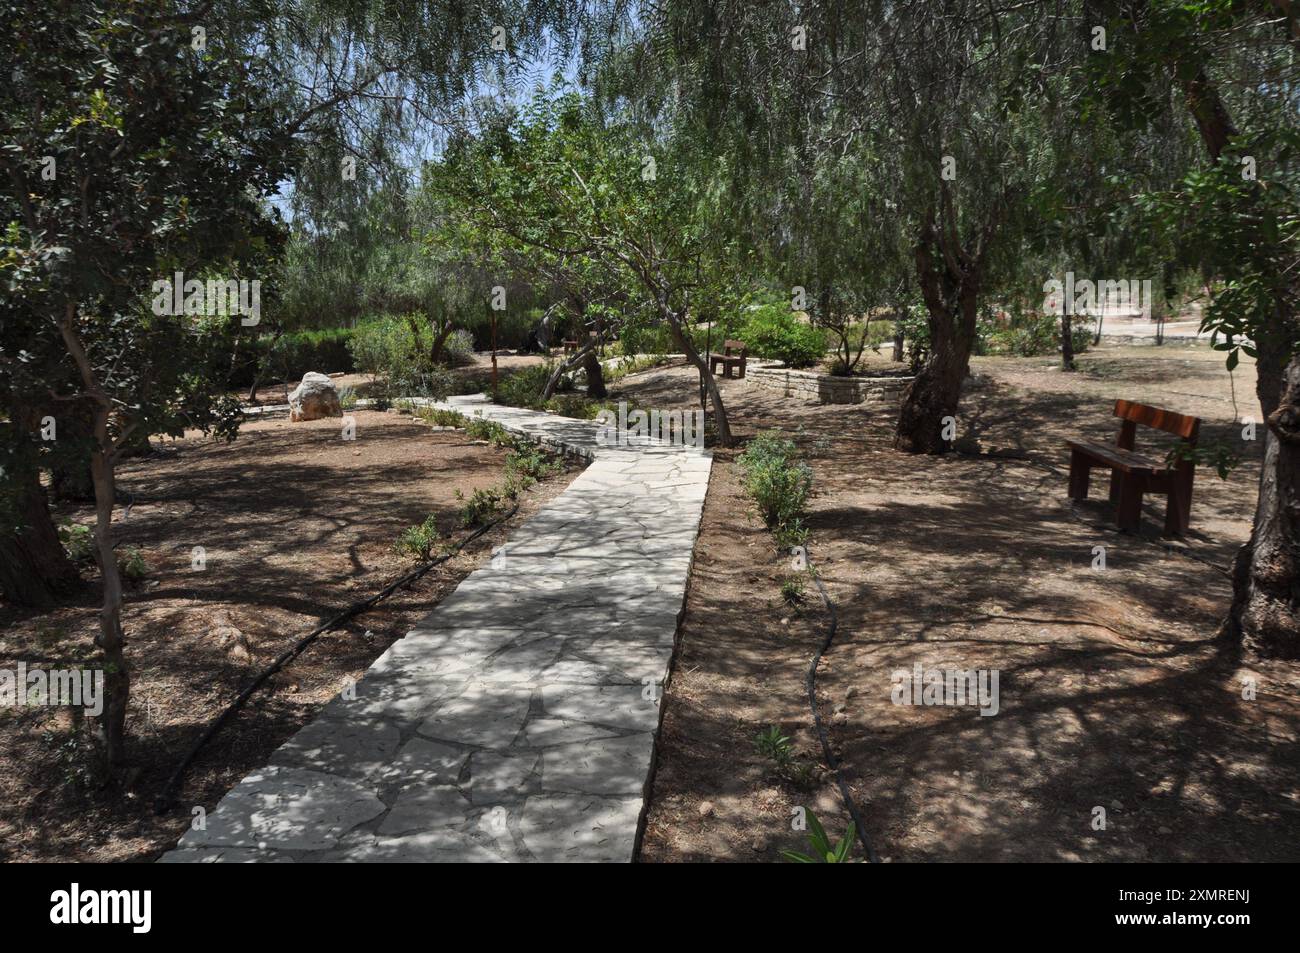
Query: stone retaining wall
(826,388)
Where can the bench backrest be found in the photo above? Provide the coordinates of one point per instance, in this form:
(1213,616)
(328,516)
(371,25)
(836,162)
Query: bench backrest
(1132,414)
(729,346)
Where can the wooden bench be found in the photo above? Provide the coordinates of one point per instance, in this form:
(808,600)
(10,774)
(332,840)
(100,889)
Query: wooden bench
(728,360)
(1132,474)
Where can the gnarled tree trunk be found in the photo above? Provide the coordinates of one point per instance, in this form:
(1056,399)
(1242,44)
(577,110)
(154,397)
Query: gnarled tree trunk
(34,569)
(1265,612)
(951,294)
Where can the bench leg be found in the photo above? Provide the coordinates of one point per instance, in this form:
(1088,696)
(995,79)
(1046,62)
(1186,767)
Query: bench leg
(1080,474)
(1178,508)
(1129,513)
(740,370)
(1116,481)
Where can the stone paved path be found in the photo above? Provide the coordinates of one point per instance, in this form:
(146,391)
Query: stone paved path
(517,721)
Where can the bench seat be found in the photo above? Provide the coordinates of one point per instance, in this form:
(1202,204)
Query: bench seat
(1117,458)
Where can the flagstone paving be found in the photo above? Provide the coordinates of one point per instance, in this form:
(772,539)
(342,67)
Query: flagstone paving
(517,721)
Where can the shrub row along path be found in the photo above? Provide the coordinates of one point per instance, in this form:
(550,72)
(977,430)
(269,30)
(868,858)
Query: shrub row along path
(516,722)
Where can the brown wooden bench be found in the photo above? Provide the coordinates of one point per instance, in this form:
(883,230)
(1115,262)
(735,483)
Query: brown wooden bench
(729,360)
(1132,474)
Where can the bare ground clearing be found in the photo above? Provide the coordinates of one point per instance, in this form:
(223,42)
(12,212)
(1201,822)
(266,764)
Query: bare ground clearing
(1114,690)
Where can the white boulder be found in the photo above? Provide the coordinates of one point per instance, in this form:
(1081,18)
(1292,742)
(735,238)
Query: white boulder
(314,397)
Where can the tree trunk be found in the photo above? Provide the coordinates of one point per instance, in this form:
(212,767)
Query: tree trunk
(440,341)
(117,677)
(1265,613)
(1067,341)
(595,375)
(683,341)
(898,346)
(934,395)
(951,301)
(34,569)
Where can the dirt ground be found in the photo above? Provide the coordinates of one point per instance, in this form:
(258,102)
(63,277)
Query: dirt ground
(1114,692)
(296,524)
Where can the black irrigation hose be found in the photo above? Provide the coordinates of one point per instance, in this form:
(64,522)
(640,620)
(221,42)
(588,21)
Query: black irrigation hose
(832,761)
(167,798)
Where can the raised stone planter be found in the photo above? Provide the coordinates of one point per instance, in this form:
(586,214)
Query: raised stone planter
(825,388)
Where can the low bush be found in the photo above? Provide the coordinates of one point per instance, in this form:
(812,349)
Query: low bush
(131,564)
(772,330)
(486,503)
(419,540)
(778,482)
(78,541)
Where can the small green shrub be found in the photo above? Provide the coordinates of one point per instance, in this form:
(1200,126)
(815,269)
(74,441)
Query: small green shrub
(78,541)
(524,387)
(775,746)
(441,418)
(772,330)
(418,541)
(792,590)
(778,749)
(531,464)
(776,480)
(347,397)
(822,850)
(131,564)
(484,504)
(458,349)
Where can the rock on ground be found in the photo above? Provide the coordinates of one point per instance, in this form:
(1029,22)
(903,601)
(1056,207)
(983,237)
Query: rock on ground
(314,397)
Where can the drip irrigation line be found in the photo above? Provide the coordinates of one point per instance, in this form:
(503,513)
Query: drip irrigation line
(811,682)
(167,798)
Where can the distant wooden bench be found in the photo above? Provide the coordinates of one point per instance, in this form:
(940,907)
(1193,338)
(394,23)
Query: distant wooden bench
(728,360)
(570,345)
(1132,474)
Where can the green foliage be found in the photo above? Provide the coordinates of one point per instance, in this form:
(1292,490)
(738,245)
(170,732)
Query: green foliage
(387,346)
(78,541)
(419,540)
(772,330)
(529,464)
(776,480)
(131,564)
(1033,335)
(792,590)
(779,749)
(523,387)
(347,397)
(823,852)
(772,744)
(483,504)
